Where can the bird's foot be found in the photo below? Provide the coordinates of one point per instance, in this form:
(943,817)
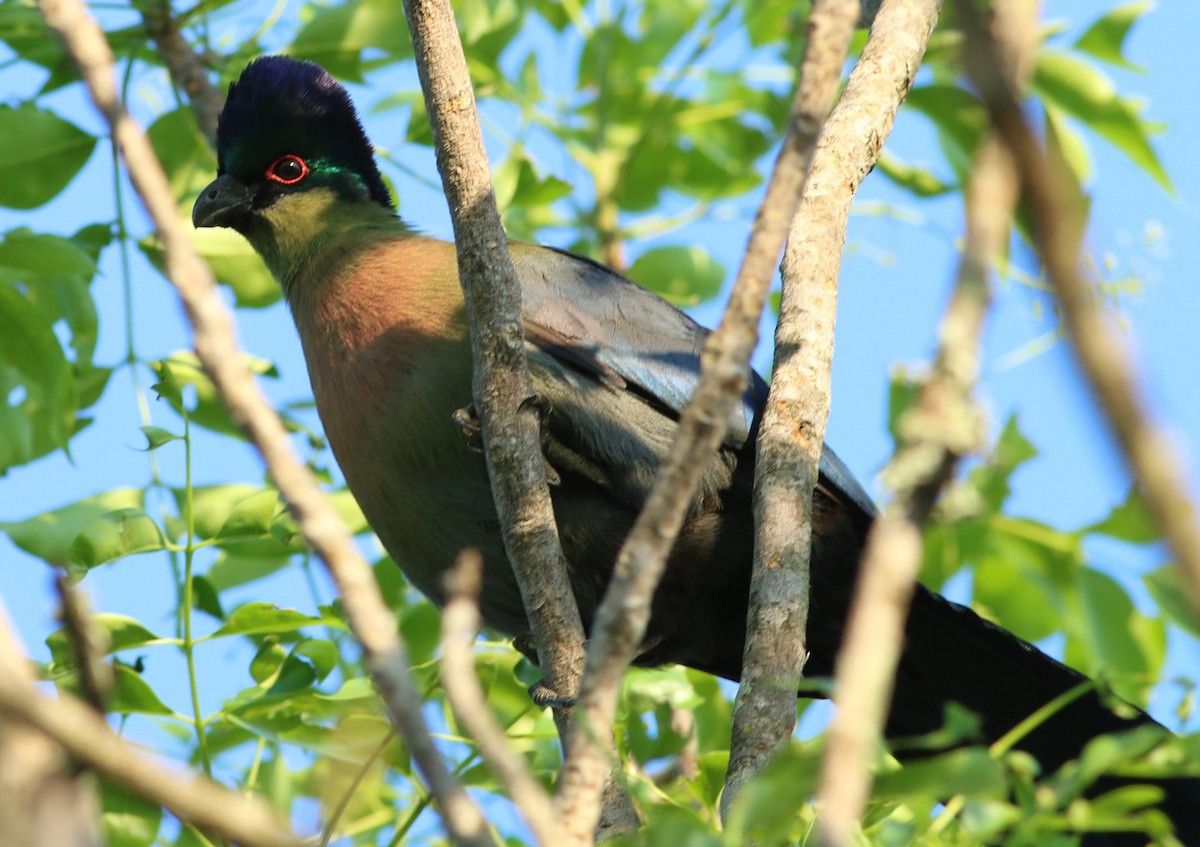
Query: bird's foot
(545,697)
(466,420)
(527,647)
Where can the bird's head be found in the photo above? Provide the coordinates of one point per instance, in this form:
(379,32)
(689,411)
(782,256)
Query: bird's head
(290,152)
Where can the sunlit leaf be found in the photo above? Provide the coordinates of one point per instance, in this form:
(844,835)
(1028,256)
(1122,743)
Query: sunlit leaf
(1086,94)
(1169,592)
(121,633)
(259,618)
(51,152)
(49,535)
(129,820)
(684,275)
(118,534)
(1105,38)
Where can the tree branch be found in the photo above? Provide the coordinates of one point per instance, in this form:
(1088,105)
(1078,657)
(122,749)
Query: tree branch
(87,737)
(504,397)
(1102,354)
(943,426)
(460,624)
(369,617)
(44,800)
(503,394)
(185,68)
(789,447)
(623,615)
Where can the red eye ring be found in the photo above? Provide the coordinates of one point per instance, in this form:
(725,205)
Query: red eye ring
(290,161)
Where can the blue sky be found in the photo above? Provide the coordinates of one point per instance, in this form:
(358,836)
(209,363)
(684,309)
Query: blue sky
(900,261)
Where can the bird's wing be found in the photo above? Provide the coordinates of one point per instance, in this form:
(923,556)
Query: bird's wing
(615,344)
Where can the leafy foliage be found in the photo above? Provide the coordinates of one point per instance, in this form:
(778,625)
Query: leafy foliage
(665,112)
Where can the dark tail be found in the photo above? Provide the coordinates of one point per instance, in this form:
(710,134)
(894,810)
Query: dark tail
(951,654)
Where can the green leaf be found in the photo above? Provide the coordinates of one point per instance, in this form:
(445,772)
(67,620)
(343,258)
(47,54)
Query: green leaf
(321,653)
(1129,521)
(335,36)
(208,411)
(1167,588)
(123,532)
(1086,94)
(156,437)
(1110,636)
(50,153)
(960,118)
(251,517)
(991,480)
(133,695)
(44,255)
(684,275)
(123,633)
(967,771)
(1072,149)
(241,566)
(233,262)
(31,357)
(129,820)
(916,180)
(50,534)
(1105,39)
(260,618)
(267,661)
(187,160)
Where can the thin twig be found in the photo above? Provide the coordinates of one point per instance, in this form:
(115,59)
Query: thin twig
(369,617)
(942,426)
(95,675)
(185,67)
(624,613)
(460,624)
(789,449)
(1158,473)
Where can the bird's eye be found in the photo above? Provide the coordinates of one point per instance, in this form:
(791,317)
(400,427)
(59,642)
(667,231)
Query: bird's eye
(287,170)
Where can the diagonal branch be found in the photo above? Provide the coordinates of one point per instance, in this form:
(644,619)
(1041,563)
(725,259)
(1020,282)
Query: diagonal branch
(460,624)
(369,617)
(944,425)
(185,67)
(87,738)
(789,444)
(624,613)
(1104,357)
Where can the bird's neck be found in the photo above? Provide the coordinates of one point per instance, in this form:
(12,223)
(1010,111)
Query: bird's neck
(292,236)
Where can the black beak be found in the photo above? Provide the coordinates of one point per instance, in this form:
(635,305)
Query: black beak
(222,202)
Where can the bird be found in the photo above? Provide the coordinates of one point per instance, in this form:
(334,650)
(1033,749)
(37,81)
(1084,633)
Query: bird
(380,315)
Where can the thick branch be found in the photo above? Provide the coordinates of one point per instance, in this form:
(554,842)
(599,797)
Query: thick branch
(503,394)
(942,426)
(789,448)
(1102,353)
(624,613)
(369,617)
(502,389)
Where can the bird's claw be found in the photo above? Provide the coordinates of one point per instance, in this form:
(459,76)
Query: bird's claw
(466,420)
(545,697)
